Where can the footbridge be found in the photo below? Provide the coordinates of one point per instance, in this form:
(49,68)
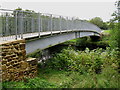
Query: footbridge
(42,30)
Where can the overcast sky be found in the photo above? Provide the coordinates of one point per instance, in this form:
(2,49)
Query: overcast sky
(84,9)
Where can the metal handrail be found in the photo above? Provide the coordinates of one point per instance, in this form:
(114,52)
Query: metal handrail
(18,23)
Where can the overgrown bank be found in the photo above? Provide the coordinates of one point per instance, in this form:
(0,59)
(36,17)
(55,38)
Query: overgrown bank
(76,69)
(95,68)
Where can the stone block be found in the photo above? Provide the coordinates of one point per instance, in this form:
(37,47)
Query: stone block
(9,63)
(4,47)
(4,67)
(22,46)
(4,61)
(18,41)
(23,53)
(32,61)
(8,55)
(9,67)
(24,65)
(16,47)
(17,65)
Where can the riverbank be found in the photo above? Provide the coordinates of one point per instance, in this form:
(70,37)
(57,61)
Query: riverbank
(76,65)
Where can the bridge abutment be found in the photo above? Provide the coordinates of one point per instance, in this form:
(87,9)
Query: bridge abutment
(14,64)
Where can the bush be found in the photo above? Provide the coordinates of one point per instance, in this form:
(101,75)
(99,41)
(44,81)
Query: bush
(84,61)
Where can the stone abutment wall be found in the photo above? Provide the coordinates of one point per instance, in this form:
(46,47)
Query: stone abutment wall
(14,64)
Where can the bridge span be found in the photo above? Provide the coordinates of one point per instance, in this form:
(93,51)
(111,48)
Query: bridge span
(41,30)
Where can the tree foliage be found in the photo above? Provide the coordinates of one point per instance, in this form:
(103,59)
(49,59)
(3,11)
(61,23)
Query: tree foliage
(99,22)
(115,33)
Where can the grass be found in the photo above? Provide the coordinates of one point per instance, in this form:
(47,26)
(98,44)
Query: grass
(106,31)
(70,42)
(62,79)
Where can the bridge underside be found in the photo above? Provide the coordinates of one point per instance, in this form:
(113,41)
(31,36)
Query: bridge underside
(48,41)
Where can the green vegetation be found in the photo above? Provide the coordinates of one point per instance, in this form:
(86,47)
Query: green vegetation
(82,43)
(107,31)
(76,69)
(89,68)
(96,68)
(99,22)
(115,38)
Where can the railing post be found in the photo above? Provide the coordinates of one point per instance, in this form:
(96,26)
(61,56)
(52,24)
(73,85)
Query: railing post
(16,25)
(21,24)
(32,24)
(51,23)
(67,24)
(39,25)
(60,24)
(7,32)
(48,24)
(1,26)
(72,24)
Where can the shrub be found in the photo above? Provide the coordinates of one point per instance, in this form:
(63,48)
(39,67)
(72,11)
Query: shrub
(84,61)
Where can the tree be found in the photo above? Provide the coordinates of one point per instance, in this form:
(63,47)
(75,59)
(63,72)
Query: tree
(115,33)
(99,22)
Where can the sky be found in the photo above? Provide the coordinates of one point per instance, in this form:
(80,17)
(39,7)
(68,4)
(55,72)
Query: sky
(83,9)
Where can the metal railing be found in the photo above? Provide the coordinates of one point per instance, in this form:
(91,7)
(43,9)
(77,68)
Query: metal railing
(16,23)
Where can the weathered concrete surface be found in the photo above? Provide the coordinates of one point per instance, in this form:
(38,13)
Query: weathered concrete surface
(46,42)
